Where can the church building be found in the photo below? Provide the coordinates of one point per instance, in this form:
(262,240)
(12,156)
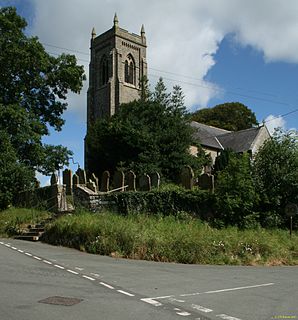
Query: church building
(117,65)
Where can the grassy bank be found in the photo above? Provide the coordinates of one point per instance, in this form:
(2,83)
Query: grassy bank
(14,219)
(172,240)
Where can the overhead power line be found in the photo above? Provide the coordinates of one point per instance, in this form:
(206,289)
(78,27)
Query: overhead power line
(204,85)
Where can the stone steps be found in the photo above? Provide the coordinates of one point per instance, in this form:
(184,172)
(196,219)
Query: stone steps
(33,232)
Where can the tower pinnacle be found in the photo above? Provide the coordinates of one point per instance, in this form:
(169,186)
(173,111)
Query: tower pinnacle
(142,30)
(116,21)
(93,33)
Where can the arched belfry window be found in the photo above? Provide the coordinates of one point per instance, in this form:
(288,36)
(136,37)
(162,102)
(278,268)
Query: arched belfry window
(130,70)
(104,71)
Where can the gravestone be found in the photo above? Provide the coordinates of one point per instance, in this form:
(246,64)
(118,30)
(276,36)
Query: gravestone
(118,181)
(187,177)
(155,180)
(54,179)
(94,179)
(144,182)
(91,185)
(67,180)
(82,176)
(206,182)
(75,180)
(131,181)
(105,181)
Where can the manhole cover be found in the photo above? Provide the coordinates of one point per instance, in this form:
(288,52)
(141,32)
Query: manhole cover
(62,301)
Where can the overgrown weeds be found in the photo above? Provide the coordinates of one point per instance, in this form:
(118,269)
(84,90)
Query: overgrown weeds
(172,239)
(14,219)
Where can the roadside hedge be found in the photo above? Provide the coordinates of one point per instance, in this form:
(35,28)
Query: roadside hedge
(171,200)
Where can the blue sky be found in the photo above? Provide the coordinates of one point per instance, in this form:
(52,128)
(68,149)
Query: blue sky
(218,51)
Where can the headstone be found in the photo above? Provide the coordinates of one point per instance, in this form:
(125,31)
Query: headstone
(131,181)
(75,180)
(67,180)
(54,179)
(155,180)
(187,177)
(91,185)
(118,180)
(144,183)
(94,179)
(82,176)
(206,182)
(105,182)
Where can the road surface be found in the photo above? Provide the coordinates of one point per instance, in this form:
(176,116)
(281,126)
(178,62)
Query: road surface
(39,281)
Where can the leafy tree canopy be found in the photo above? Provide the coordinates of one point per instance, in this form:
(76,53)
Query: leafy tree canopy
(33,90)
(145,136)
(231,116)
(276,174)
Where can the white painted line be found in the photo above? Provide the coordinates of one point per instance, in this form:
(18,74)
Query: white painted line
(151,301)
(241,288)
(163,297)
(37,258)
(28,254)
(201,308)
(57,266)
(126,293)
(21,251)
(71,271)
(89,278)
(95,274)
(14,248)
(7,245)
(226,290)
(177,309)
(80,269)
(226,317)
(175,300)
(46,261)
(183,313)
(1,242)
(107,285)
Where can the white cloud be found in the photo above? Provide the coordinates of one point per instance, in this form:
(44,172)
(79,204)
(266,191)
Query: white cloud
(182,36)
(274,122)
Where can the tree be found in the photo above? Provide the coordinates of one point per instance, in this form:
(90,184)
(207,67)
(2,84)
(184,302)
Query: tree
(145,136)
(276,176)
(235,190)
(33,90)
(231,116)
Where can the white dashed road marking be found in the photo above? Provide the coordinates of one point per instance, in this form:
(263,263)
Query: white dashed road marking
(71,271)
(57,266)
(28,254)
(89,278)
(126,293)
(21,251)
(183,313)
(151,301)
(201,308)
(226,317)
(106,285)
(37,258)
(46,261)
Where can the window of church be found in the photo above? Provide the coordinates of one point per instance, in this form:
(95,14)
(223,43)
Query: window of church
(104,71)
(130,70)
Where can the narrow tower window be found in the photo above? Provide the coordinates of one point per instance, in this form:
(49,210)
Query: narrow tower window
(104,71)
(130,70)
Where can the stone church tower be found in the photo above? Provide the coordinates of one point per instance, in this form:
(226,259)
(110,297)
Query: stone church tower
(118,63)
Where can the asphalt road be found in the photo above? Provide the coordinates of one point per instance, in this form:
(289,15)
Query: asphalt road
(34,274)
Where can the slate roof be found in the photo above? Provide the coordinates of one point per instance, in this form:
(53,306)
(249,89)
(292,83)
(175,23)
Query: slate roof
(239,141)
(208,135)
(216,138)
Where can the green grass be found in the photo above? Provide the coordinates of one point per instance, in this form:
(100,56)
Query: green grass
(172,240)
(14,219)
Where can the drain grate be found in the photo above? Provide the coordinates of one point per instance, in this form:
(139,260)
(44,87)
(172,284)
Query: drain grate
(61,301)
